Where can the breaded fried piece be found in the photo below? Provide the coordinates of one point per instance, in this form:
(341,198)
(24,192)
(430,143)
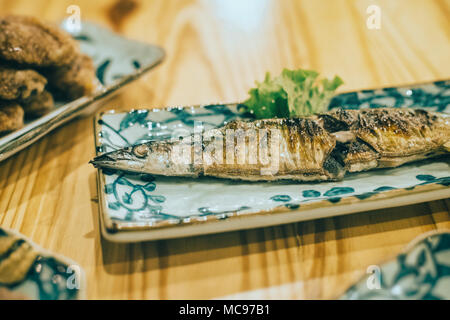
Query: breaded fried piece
(27,40)
(20,84)
(11,116)
(76,80)
(38,105)
(6,294)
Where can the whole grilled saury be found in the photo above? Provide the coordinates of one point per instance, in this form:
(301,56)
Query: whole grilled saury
(322,147)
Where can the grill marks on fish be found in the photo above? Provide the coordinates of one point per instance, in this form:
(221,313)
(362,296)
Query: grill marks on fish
(397,134)
(321,147)
(301,149)
(393,136)
(306,145)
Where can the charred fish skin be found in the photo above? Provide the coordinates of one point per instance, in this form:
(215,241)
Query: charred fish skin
(300,151)
(387,137)
(316,148)
(356,156)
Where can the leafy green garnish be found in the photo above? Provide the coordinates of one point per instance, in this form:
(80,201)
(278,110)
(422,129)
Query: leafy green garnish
(293,93)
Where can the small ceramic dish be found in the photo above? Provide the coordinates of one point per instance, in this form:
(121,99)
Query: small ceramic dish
(29,272)
(137,207)
(422,272)
(118,61)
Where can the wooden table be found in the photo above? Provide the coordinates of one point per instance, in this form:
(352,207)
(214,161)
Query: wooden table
(215,52)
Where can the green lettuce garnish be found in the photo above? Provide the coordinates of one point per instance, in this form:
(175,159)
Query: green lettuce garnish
(293,93)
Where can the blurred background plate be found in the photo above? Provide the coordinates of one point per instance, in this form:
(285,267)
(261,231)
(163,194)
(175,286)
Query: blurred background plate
(29,272)
(422,272)
(118,61)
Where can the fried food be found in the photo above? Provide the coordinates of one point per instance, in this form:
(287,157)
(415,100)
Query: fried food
(17,84)
(11,116)
(17,258)
(38,105)
(38,61)
(6,294)
(76,80)
(27,40)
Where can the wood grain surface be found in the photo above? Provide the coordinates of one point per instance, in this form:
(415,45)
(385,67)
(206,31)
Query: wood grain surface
(215,52)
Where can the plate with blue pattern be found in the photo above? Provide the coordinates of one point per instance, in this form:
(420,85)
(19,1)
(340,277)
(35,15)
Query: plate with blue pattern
(29,272)
(118,62)
(137,207)
(421,272)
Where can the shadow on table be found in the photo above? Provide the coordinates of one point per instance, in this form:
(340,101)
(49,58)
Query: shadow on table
(50,156)
(118,258)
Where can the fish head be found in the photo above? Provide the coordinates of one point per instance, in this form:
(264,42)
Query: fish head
(131,158)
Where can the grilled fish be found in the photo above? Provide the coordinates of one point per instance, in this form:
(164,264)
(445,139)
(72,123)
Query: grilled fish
(322,147)
(388,137)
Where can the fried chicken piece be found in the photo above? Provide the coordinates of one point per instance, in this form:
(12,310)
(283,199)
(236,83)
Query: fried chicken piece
(6,294)
(11,116)
(27,40)
(76,80)
(38,105)
(20,84)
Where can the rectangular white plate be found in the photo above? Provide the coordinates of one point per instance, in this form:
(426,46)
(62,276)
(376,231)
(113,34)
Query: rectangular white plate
(118,62)
(137,207)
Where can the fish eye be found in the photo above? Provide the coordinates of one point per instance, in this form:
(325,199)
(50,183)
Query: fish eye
(140,151)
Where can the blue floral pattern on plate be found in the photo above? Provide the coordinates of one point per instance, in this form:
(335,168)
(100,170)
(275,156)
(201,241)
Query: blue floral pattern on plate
(139,200)
(421,273)
(48,278)
(115,57)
